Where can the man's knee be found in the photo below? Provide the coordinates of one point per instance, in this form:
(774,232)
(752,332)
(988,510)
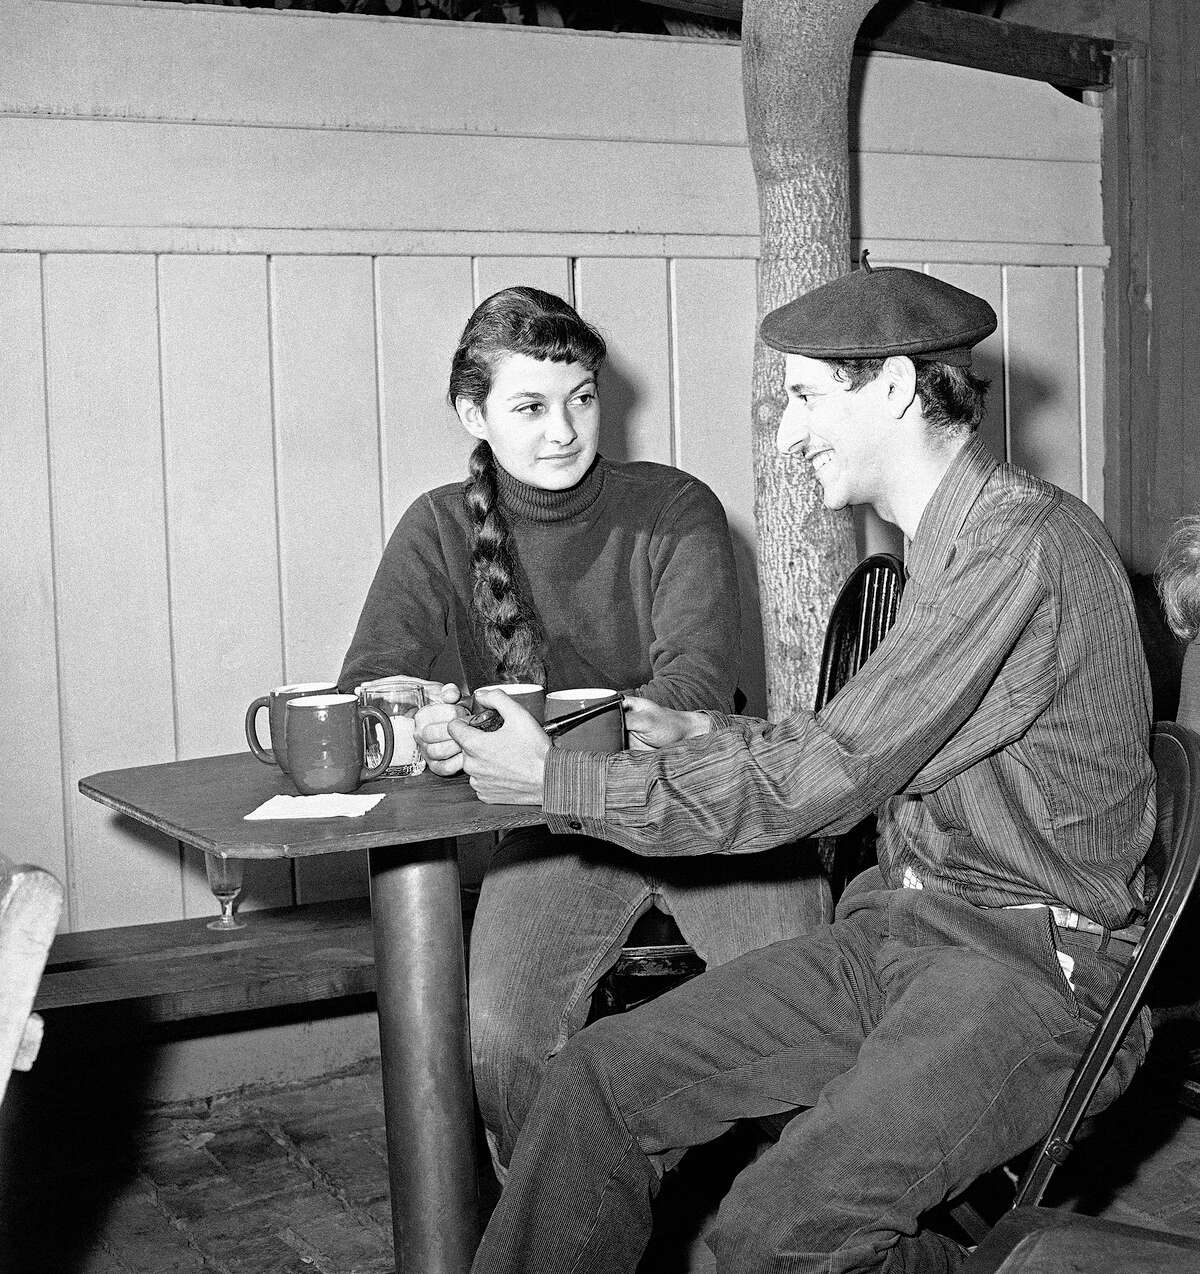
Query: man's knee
(755,1224)
(596,1066)
(776,1211)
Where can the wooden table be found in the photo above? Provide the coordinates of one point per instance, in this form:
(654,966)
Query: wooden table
(421,981)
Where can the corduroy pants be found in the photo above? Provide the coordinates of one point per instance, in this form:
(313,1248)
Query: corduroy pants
(924,1040)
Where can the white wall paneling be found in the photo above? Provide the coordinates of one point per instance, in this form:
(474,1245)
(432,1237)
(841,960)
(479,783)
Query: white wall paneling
(222,532)
(31,811)
(713,320)
(628,300)
(422,303)
(1043,374)
(110,565)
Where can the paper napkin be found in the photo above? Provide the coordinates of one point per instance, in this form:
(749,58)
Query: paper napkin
(331,805)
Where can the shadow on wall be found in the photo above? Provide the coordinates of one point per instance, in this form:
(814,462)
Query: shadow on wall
(260,889)
(619,399)
(1034,397)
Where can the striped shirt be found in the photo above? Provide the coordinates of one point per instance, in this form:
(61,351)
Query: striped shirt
(1001,730)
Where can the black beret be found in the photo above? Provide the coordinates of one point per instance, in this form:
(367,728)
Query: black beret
(873,313)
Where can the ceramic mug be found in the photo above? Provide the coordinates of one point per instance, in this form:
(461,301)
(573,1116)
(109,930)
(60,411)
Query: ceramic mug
(605,732)
(327,738)
(531,697)
(275,702)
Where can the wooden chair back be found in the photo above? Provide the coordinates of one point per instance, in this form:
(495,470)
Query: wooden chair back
(864,610)
(1172,865)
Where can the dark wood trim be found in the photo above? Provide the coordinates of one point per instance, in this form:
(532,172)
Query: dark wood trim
(928,31)
(1128,392)
(988,44)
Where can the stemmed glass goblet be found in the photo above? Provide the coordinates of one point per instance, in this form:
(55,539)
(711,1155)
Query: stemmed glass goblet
(225,880)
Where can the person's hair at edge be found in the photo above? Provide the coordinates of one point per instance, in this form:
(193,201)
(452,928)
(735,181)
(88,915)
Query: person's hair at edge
(1178,578)
(516,320)
(952,400)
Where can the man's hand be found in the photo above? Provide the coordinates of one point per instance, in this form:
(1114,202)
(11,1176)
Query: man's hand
(649,725)
(507,766)
(441,753)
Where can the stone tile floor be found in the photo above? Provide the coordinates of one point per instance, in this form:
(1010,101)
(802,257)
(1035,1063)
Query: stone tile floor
(293,1180)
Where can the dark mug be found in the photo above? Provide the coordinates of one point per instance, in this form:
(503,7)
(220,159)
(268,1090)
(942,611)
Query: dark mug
(275,702)
(604,732)
(326,739)
(531,697)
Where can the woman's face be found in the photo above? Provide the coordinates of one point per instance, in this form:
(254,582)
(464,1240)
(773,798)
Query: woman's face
(541,419)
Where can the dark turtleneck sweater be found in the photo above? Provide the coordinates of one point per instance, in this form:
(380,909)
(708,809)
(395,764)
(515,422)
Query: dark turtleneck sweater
(631,573)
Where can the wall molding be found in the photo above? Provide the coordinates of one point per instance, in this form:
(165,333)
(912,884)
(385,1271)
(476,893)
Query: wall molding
(254,241)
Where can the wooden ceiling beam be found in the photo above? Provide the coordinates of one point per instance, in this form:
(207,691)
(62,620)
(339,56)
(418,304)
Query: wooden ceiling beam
(920,29)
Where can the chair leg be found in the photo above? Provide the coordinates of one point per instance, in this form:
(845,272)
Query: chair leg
(984,1202)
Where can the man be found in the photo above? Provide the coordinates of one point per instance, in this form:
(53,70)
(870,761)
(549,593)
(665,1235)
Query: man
(1001,730)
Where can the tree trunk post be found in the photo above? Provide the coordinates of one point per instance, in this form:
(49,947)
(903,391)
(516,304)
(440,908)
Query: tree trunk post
(796,79)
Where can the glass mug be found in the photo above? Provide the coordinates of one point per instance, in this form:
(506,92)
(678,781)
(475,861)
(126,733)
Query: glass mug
(398,698)
(327,739)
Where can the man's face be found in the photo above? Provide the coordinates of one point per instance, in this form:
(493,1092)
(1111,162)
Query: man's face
(840,432)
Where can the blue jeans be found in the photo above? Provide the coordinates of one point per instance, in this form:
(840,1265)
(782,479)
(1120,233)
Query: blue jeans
(554,912)
(923,1040)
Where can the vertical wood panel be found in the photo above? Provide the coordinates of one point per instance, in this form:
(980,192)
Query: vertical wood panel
(106,484)
(1043,373)
(220,498)
(327,457)
(627,301)
(551,274)
(713,315)
(423,304)
(1158,461)
(986,281)
(1186,434)
(31,812)
(1091,385)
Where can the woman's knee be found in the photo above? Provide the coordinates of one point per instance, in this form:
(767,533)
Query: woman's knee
(509,1038)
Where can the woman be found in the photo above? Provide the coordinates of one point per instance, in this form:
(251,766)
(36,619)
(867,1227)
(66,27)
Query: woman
(555,566)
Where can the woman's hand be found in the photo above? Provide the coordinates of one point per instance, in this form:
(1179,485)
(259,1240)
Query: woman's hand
(441,753)
(507,765)
(649,725)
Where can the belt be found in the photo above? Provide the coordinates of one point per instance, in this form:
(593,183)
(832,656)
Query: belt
(1065,918)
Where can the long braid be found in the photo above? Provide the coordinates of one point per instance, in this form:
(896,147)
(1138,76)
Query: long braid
(517,320)
(512,632)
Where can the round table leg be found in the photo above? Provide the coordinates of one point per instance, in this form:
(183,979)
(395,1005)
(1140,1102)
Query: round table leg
(428,1097)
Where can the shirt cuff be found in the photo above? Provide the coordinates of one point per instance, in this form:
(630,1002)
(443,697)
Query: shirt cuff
(573,791)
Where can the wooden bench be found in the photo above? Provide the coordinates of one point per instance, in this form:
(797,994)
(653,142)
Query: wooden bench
(176,970)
